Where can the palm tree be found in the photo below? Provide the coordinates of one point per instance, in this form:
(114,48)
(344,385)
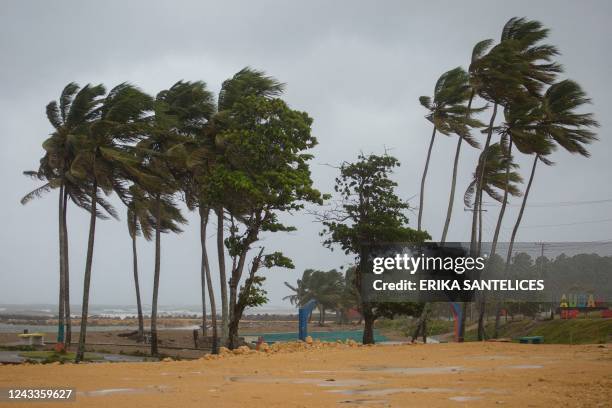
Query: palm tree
(71,115)
(197,154)
(462,131)
(448,114)
(558,123)
(162,156)
(139,222)
(327,288)
(495,177)
(103,162)
(518,65)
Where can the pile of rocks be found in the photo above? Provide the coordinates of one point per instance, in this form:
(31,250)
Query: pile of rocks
(283,347)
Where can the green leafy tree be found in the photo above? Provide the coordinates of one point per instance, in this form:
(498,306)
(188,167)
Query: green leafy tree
(264,171)
(369,214)
(246,82)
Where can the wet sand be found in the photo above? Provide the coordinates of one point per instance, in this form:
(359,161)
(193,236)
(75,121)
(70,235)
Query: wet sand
(474,374)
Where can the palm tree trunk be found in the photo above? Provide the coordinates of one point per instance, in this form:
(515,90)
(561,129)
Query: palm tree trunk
(479,244)
(203,224)
(451,199)
(222,276)
(61,313)
(481,163)
(520,215)
(504,201)
(422,195)
(154,349)
(137,287)
(87,279)
(211,298)
(68,319)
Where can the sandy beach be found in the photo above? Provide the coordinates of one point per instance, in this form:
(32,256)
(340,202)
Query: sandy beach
(482,374)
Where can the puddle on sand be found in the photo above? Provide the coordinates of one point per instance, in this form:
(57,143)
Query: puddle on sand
(364,402)
(523,366)
(389,391)
(330,382)
(110,391)
(415,370)
(489,357)
(464,398)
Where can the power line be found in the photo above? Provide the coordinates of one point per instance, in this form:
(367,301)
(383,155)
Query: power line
(553,203)
(567,224)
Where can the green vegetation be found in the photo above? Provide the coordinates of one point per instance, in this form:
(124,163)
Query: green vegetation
(369,213)
(46,357)
(559,331)
(405,327)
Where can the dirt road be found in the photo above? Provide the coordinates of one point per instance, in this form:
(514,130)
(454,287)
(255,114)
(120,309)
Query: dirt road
(474,374)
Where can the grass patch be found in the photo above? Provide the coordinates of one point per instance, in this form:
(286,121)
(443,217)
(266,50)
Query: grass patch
(572,331)
(24,347)
(46,357)
(405,326)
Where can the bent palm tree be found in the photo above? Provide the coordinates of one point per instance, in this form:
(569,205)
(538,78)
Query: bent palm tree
(71,115)
(103,162)
(463,130)
(496,177)
(558,124)
(518,65)
(139,222)
(448,114)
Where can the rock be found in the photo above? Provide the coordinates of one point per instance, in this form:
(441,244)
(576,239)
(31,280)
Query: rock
(242,350)
(308,340)
(224,350)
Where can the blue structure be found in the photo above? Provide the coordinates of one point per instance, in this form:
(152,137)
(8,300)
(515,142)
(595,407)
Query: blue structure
(303,315)
(457,314)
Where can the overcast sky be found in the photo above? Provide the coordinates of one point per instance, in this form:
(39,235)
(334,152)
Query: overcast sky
(356,67)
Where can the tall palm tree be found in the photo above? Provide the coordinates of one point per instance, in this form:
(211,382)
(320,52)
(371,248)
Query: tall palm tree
(520,64)
(496,177)
(558,123)
(71,115)
(162,156)
(448,114)
(103,162)
(197,153)
(478,52)
(139,222)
